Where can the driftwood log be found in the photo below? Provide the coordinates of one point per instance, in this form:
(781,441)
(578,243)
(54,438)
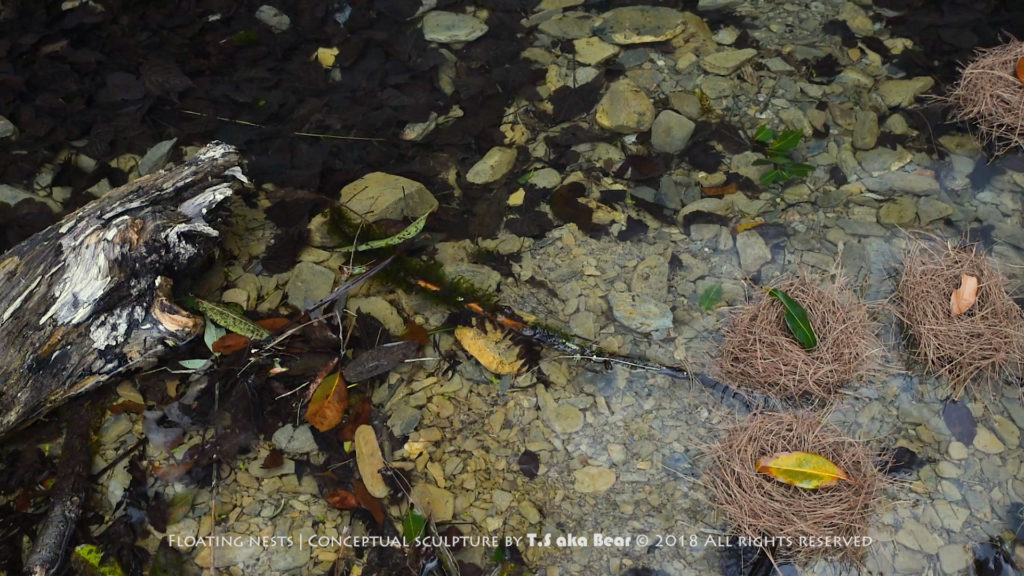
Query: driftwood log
(90,296)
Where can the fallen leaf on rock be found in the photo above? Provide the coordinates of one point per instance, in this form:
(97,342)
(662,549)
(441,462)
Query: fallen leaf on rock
(326,57)
(965,296)
(729,188)
(802,469)
(273,460)
(327,405)
(960,421)
(490,348)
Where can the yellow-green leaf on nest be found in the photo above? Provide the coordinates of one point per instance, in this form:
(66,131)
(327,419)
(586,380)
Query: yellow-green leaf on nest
(802,469)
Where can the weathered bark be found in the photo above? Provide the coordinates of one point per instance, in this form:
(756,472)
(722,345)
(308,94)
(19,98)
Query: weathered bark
(89,297)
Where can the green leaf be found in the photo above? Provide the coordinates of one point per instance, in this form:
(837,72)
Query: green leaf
(212,333)
(231,320)
(410,231)
(799,170)
(763,162)
(785,142)
(796,319)
(413,525)
(711,296)
(774,176)
(764,134)
(197,364)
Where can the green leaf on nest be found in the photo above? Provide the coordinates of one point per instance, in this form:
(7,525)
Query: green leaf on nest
(796,319)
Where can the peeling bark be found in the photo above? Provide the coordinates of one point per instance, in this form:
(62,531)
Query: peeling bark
(89,297)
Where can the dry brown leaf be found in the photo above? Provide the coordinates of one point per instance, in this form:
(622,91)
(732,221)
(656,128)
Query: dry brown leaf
(342,499)
(327,405)
(802,469)
(965,296)
(490,348)
(230,343)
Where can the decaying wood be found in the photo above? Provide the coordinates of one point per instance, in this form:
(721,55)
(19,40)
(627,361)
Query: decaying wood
(89,297)
(67,498)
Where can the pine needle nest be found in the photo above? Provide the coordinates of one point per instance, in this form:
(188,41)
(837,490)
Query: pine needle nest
(759,506)
(760,353)
(976,348)
(989,96)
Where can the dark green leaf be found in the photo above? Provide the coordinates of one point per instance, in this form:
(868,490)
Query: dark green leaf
(413,525)
(796,319)
(712,295)
(764,134)
(762,162)
(785,142)
(799,170)
(774,176)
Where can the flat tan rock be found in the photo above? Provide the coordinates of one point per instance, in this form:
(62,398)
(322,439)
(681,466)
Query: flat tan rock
(640,24)
(383,196)
(370,461)
(625,108)
(590,479)
(435,503)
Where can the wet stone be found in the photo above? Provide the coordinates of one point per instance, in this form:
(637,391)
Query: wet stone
(493,166)
(383,196)
(902,92)
(726,62)
(640,313)
(229,555)
(954,559)
(947,469)
(671,132)
(562,418)
(898,211)
(857,19)
(987,442)
(879,161)
(404,419)
(752,250)
(957,450)
(438,504)
(929,209)
(1007,431)
(569,25)
(294,440)
(625,108)
(640,24)
(450,27)
(8,129)
(651,278)
(591,479)
(912,183)
(592,51)
(309,283)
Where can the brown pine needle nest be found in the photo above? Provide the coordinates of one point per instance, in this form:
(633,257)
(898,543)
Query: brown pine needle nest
(759,506)
(989,97)
(760,353)
(977,347)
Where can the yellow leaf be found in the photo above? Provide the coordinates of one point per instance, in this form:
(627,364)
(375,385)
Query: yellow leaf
(490,348)
(802,469)
(326,56)
(327,405)
(965,296)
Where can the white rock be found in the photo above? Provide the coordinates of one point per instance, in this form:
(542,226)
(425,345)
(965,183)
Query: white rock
(450,27)
(277,20)
(493,166)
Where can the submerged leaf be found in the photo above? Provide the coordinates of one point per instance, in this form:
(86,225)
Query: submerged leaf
(960,421)
(328,404)
(710,297)
(796,319)
(231,320)
(965,296)
(490,348)
(413,525)
(802,469)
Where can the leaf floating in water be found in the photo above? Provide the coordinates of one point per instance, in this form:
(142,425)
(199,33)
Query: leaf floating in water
(960,421)
(328,404)
(796,319)
(802,469)
(529,464)
(965,296)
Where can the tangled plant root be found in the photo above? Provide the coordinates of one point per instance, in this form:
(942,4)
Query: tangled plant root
(989,97)
(760,353)
(975,348)
(759,506)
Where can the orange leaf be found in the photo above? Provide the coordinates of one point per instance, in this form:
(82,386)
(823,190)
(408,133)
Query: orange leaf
(490,349)
(342,499)
(367,501)
(1020,70)
(230,343)
(747,226)
(729,188)
(416,333)
(360,414)
(802,469)
(273,324)
(965,296)
(328,403)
